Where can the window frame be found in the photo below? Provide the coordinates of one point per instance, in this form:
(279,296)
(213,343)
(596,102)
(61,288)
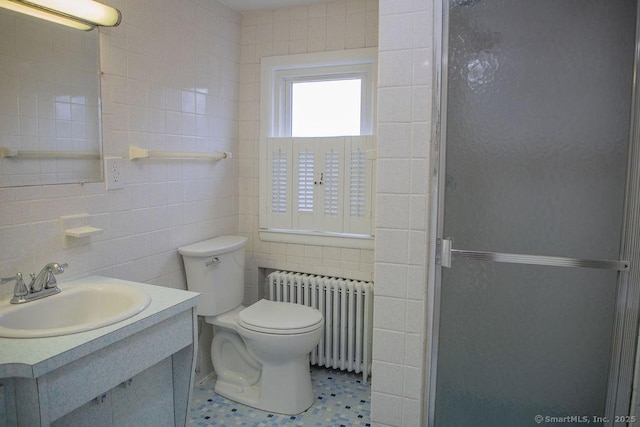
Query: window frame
(277,70)
(277,75)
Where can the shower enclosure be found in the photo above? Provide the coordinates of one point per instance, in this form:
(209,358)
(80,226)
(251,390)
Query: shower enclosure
(535,286)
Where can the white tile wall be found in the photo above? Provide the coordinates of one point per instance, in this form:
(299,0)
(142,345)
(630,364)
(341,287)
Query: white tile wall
(170,82)
(334,25)
(404,116)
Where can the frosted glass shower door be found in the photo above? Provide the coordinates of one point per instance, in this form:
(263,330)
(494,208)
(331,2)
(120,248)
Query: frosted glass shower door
(538,115)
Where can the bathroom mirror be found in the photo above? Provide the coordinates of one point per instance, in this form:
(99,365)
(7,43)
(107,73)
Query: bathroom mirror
(50,125)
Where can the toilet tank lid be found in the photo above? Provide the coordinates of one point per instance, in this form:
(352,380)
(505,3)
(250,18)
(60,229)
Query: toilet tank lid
(216,246)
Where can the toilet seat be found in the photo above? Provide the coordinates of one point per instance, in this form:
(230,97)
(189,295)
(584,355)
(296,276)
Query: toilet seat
(279,318)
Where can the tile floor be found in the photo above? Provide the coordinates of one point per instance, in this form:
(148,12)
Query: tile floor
(343,400)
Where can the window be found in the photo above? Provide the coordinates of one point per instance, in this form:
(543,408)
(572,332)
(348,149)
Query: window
(326,107)
(316,151)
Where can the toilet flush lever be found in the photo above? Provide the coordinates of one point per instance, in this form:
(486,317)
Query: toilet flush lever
(214,261)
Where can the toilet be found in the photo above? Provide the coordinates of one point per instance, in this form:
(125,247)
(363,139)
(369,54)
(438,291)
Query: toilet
(260,353)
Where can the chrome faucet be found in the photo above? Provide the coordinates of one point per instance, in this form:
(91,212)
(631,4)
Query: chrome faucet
(46,279)
(42,285)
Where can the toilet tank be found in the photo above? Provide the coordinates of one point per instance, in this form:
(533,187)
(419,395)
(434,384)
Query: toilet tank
(215,268)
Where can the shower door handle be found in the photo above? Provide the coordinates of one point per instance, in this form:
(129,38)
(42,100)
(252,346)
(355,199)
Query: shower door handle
(445,253)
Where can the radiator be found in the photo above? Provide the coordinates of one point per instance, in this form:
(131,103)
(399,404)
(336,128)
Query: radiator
(347,307)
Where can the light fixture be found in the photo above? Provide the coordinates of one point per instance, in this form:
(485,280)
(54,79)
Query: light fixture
(80,14)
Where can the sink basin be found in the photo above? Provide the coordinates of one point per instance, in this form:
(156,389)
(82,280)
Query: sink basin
(77,308)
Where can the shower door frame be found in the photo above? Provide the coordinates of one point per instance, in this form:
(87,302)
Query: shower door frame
(622,393)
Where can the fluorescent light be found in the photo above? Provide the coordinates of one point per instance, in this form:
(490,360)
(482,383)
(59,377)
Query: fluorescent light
(80,14)
(20,8)
(86,10)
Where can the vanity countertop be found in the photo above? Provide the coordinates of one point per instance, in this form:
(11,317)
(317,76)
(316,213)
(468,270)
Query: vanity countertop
(34,357)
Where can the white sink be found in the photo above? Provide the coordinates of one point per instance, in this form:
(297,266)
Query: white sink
(77,308)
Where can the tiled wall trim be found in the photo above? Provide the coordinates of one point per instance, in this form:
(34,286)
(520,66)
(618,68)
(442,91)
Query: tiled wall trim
(404,127)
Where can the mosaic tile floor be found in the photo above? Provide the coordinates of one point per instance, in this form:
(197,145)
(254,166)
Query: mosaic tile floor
(343,400)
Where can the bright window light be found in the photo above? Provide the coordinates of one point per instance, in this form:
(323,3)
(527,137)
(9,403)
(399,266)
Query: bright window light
(326,108)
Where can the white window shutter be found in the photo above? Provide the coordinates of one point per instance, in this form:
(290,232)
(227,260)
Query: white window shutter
(279,178)
(331,216)
(321,184)
(359,188)
(305,176)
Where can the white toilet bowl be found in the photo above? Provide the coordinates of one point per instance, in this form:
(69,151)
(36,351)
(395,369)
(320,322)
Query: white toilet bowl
(261,355)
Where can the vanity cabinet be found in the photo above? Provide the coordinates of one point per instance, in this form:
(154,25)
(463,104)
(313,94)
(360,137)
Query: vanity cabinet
(140,373)
(145,399)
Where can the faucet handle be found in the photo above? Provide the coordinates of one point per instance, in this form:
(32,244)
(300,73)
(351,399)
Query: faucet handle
(52,269)
(4,280)
(20,289)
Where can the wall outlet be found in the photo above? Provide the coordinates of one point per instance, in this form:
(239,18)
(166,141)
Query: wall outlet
(113,176)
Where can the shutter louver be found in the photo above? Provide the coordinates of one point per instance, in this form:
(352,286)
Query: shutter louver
(279,183)
(305,181)
(331,182)
(357,184)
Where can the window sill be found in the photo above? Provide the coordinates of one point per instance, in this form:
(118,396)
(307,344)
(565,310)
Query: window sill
(349,241)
